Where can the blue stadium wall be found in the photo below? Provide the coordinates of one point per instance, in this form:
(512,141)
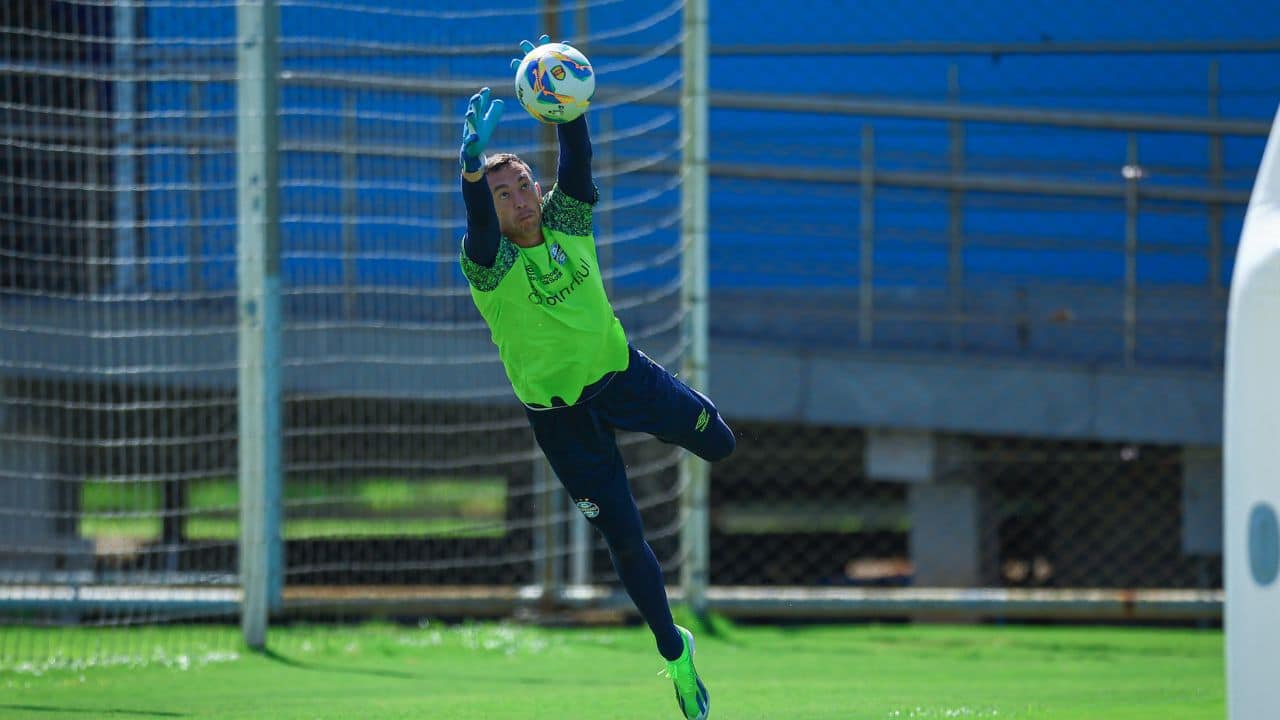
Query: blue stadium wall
(781,239)
(1167,83)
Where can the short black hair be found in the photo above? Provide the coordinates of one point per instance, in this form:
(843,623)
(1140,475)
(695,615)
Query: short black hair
(505,159)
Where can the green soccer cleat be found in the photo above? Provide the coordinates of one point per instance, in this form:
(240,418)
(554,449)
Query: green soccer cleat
(691,694)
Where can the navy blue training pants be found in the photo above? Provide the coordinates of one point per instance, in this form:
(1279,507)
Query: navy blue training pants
(578,441)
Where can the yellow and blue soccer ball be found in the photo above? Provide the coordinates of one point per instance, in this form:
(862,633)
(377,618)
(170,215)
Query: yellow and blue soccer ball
(555,83)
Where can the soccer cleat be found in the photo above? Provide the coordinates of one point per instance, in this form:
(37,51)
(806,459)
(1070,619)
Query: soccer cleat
(691,694)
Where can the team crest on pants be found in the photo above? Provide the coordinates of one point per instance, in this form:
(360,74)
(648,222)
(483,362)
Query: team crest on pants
(588,508)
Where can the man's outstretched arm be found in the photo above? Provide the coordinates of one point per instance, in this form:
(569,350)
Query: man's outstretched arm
(574,172)
(483,235)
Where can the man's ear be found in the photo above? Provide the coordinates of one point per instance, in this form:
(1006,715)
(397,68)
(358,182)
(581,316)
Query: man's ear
(537,186)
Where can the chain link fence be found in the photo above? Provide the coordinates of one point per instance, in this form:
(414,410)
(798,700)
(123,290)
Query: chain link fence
(796,506)
(1062,201)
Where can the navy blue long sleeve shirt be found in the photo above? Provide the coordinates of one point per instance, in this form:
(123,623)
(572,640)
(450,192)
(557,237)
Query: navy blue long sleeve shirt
(573,175)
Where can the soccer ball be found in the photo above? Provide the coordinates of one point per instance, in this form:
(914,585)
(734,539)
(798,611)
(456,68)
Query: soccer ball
(555,83)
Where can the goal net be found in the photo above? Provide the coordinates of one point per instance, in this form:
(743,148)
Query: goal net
(411,484)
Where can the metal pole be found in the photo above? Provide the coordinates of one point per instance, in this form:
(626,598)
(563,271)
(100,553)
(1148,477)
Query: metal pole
(955,219)
(866,238)
(548,538)
(548,535)
(549,157)
(258,274)
(1215,182)
(582,27)
(694,473)
(546,545)
(1216,289)
(580,534)
(579,548)
(1133,173)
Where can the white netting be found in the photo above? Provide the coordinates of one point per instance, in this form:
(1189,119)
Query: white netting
(408,464)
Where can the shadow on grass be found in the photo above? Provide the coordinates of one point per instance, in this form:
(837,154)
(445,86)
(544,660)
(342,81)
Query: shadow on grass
(349,670)
(708,625)
(344,669)
(91,711)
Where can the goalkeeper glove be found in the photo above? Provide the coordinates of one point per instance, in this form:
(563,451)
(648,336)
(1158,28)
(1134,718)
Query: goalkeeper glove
(478,125)
(527,47)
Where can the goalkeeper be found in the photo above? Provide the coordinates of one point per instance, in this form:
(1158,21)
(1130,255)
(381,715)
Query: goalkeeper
(530,260)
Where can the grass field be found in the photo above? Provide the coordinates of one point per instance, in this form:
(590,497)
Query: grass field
(846,672)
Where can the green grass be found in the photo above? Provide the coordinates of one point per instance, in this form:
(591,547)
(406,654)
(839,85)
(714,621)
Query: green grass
(360,508)
(506,671)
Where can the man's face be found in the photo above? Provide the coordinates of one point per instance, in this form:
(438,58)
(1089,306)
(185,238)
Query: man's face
(518,200)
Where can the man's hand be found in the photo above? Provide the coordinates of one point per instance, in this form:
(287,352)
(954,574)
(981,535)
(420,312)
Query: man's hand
(478,125)
(527,47)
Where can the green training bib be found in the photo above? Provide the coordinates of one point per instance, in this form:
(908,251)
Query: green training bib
(547,309)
